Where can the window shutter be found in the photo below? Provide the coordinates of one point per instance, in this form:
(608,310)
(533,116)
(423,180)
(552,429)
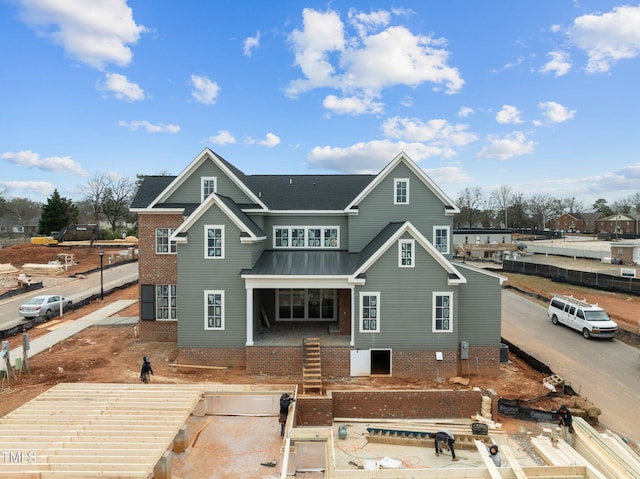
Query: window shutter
(147,302)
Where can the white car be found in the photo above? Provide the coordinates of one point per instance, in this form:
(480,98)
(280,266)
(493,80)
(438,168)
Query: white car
(46,306)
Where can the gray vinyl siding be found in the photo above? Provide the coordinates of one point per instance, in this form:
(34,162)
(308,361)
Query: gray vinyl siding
(424,210)
(197,274)
(406,304)
(480,309)
(190,191)
(306,220)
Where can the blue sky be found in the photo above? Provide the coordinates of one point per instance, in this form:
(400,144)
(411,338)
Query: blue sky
(539,95)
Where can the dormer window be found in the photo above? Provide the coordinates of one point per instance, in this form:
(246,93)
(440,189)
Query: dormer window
(208,186)
(401,191)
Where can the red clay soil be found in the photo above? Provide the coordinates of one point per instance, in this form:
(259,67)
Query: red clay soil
(114,353)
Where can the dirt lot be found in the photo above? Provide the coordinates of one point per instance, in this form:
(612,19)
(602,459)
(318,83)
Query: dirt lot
(113,354)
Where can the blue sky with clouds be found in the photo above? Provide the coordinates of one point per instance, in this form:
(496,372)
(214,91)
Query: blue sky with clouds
(539,95)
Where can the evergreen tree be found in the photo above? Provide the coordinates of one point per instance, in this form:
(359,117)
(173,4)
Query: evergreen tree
(57,213)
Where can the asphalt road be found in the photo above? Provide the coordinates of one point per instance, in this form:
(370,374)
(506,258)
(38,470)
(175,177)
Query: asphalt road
(605,372)
(73,288)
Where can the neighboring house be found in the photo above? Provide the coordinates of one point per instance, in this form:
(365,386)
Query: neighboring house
(239,268)
(576,222)
(479,236)
(626,252)
(620,224)
(12,227)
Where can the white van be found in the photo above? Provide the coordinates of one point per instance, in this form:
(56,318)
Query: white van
(590,319)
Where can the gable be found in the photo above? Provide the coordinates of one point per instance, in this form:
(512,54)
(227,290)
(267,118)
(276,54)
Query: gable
(388,239)
(400,167)
(186,187)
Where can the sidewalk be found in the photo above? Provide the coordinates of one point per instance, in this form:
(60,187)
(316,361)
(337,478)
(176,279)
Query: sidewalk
(44,342)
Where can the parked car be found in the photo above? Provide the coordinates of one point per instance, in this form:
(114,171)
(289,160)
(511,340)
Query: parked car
(47,306)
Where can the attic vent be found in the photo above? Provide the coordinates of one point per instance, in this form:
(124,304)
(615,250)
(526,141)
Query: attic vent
(290,181)
(259,194)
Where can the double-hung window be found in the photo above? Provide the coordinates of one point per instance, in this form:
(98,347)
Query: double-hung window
(214,241)
(214,310)
(163,244)
(369,312)
(442,320)
(401,191)
(208,186)
(166,302)
(406,253)
(441,238)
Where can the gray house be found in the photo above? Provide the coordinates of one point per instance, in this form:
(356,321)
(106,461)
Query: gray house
(241,269)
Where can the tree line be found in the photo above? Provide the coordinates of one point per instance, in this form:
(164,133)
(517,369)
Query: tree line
(505,208)
(105,197)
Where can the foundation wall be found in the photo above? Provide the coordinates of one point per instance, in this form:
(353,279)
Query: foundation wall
(392,404)
(166,331)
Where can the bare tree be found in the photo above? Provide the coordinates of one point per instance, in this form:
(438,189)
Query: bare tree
(94,193)
(541,208)
(572,205)
(470,201)
(500,200)
(117,199)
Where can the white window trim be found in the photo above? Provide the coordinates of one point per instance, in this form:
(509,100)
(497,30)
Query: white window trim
(306,229)
(448,245)
(206,238)
(168,307)
(207,178)
(434,294)
(361,321)
(396,181)
(206,307)
(412,242)
(171,243)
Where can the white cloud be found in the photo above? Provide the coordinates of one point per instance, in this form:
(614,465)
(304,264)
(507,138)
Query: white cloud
(375,57)
(437,132)
(121,87)
(96,33)
(270,140)
(223,137)
(352,105)
(250,44)
(204,90)
(555,112)
(448,175)
(367,157)
(508,115)
(559,64)
(52,164)
(149,127)
(608,37)
(515,144)
(465,111)
(32,189)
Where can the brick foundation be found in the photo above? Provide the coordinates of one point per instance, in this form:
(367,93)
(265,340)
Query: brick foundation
(287,361)
(392,404)
(166,331)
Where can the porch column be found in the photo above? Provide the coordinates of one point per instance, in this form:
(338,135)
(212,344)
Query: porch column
(353,317)
(249,317)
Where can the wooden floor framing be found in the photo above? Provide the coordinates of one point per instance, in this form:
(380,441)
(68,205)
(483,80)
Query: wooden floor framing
(94,430)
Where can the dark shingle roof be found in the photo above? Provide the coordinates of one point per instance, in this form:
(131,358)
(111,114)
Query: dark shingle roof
(307,192)
(149,190)
(255,229)
(376,243)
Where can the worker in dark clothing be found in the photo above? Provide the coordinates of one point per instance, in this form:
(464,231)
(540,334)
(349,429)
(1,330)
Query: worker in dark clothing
(565,423)
(285,401)
(145,370)
(445,436)
(566,419)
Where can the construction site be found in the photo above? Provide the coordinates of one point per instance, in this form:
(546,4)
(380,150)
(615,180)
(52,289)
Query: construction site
(80,410)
